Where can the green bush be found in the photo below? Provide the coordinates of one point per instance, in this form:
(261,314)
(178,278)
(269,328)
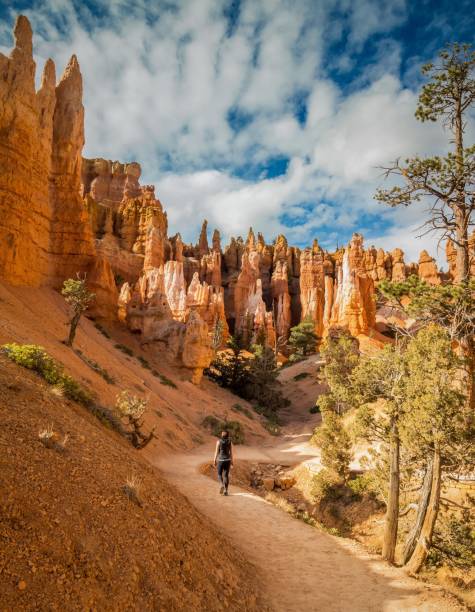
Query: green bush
(99,328)
(325,485)
(216,426)
(363,484)
(143,362)
(302,375)
(34,357)
(164,379)
(315,409)
(124,349)
(96,367)
(243,410)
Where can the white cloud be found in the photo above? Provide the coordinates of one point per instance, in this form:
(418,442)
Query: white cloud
(160,79)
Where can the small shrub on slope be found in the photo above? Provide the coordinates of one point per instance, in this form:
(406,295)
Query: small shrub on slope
(133,408)
(216,426)
(34,357)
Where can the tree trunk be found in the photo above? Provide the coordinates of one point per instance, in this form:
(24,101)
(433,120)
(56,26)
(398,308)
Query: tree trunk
(392,511)
(415,532)
(462,268)
(460,209)
(424,541)
(72,328)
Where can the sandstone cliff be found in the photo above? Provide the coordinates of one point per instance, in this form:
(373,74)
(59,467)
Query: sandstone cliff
(44,233)
(61,214)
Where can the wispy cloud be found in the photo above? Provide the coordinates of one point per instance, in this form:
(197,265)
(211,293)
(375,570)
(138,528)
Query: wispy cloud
(207,95)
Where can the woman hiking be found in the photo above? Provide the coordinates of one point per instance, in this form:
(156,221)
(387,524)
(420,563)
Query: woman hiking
(223,459)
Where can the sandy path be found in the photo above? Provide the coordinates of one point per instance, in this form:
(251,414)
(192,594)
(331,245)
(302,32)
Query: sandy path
(301,568)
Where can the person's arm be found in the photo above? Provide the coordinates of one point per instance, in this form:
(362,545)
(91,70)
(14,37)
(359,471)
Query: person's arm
(232,455)
(216,453)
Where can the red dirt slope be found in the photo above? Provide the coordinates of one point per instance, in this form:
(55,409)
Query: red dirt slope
(70,538)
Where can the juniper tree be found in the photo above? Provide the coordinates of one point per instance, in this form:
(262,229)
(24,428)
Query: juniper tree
(433,426)
(341,354)
(335,444)
(303,339)
(77,295)
(382,377)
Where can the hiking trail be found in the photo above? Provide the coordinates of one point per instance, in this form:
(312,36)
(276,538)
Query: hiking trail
(300,568)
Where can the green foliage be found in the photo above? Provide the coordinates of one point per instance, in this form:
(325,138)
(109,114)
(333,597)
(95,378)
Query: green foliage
(132,408)
(433,406)
(451,81)
(335,444)
(164,380)
(104,332)
(96,367)
(452,307)
(324,485)
(216,426)
(124,349)
(79,298)
(363,484)
(76,294)
(315,409)
(34,357)
(261,384)
(446,182)
(341,356)
(217,338)
(143,362)
(301,376)
(243,410)
(303,340)
(229,369)
(454,542)
(252,378)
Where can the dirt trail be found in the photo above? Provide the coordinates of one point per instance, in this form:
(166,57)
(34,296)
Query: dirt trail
(302,569)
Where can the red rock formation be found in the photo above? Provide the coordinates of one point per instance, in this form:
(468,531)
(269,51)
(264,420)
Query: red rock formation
(244,289)
(71,241)
(312,287)
(110,182)
(398,265)
(44,231)
(281,299)
(203,241)
(197,352)
(100,280)
(47,233)
(427,269)
(354,305)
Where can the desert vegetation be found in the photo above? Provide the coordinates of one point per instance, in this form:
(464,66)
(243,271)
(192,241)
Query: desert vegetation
(79,298)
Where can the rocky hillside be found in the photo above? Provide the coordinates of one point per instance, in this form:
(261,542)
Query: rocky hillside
(87,523)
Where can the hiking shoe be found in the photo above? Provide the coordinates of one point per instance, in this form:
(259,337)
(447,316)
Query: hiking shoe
(221,490)
(226,492)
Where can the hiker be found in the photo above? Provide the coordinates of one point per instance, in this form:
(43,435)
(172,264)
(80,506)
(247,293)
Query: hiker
(223,459)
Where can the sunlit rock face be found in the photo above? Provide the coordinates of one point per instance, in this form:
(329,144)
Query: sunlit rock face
(61,215)
(45,235)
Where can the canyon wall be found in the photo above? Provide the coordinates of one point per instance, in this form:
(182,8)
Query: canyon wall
(44,230)
(61,215)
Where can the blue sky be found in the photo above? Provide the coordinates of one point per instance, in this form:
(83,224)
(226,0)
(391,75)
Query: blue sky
(270,113)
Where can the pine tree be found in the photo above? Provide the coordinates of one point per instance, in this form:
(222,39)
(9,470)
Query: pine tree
(303,339)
